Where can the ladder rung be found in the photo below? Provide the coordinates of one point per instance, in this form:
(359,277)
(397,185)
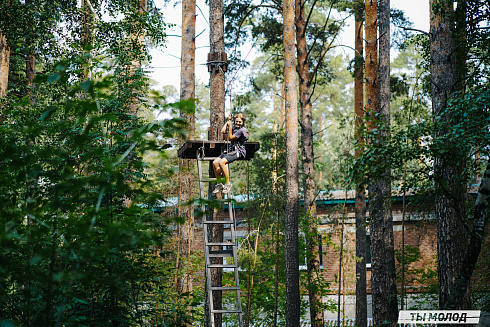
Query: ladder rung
(210,179)
(221,255)
(220,251)
(219,265)
(218,222)
(226,311)
(221,244)
(224,288)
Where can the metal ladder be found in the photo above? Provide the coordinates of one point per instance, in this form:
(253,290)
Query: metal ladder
(222,251)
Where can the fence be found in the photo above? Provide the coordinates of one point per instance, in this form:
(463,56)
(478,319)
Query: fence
(328,323)
(347,322)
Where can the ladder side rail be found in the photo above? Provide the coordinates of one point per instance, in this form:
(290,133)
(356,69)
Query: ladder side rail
(234,240)
(206,240)
(237,280)
(210,296)
(201,186)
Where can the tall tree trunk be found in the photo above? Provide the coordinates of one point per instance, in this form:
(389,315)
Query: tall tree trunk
(4,64)
(320,156)
(86,39)
(383,279)
(187,92)
(360,205)
(30,72)
(188,52)
(278,221)
(30,59)
(384,257)
(217,120)
(292,187)
(307,157)
(371,60)
(452,236)
(460,291)
(136,51)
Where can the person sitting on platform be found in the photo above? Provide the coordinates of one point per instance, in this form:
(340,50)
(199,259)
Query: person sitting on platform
(238,135)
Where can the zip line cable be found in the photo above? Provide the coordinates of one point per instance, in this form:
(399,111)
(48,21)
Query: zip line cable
(240,67)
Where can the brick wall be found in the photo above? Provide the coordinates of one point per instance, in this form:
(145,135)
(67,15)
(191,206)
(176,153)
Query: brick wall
(420,232)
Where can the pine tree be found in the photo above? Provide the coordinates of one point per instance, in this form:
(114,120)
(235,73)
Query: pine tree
(187,92)
(360,205)
(292,165)
(452,237)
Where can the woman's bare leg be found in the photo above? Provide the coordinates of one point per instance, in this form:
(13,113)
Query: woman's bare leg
(224,168)
(217,169)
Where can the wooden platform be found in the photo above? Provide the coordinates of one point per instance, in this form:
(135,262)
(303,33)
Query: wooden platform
(213,149)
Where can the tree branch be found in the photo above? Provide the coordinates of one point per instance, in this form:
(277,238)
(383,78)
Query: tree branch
(414,29)
(311,11)
(247,14)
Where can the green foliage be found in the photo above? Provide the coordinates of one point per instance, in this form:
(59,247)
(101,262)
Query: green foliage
(75,251)
(413,275)
(263,298)
(421,44)
(258,252)
(464,135)
(457,138)
(82,243)
(262,24)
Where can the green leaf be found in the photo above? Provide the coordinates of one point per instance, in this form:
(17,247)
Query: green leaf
(86,85)
(54,78)
(47,114)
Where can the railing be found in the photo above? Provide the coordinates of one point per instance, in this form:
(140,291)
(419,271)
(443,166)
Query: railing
(328,323)
(347,322)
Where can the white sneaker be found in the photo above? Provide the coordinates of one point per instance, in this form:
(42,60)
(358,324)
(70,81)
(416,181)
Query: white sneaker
(218,188)
(227,188)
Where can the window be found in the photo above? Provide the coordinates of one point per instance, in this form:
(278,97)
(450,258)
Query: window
(302,253)
(368,251)
(320,250)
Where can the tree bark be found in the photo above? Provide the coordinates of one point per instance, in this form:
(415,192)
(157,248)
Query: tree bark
(86,39)
(188,52)
(383,279)
(217,120)
(360,205)
(371,60)
(30,61)
(4,64)
(136,61)
(30,73)
(282,109)
(462,283)
(307,157)
(278,222)
(187,92)
(452,237)
(292,162)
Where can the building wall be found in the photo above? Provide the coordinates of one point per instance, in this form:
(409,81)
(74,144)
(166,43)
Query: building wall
(420,232)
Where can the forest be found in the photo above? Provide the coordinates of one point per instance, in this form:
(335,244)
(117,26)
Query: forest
(371,183)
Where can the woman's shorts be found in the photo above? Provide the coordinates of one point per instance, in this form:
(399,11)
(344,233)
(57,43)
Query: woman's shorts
(231,156)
